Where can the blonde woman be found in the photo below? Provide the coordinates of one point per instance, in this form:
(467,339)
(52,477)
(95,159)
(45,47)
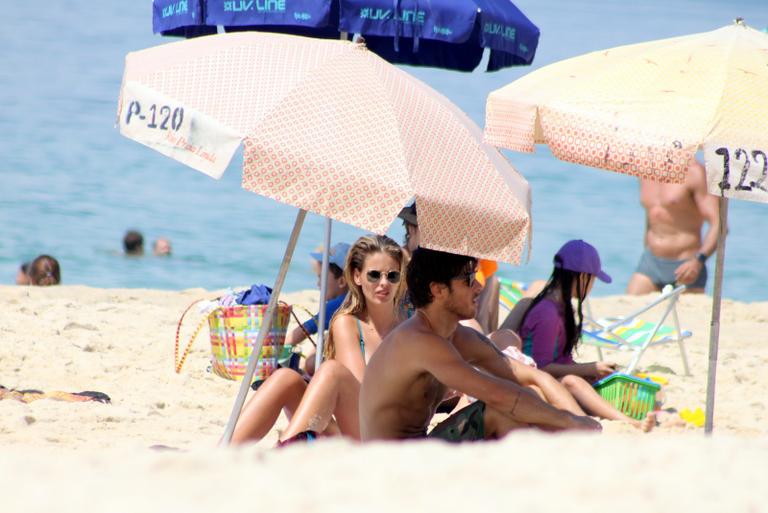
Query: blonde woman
(374,272)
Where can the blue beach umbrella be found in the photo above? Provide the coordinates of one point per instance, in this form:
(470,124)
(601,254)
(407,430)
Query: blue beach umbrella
(312,18)
(185,18)
(450,34)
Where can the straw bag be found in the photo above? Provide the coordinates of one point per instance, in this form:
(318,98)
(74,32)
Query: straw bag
(233,333)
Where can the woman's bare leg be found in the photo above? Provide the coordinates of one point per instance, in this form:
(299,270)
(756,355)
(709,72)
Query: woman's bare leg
(333,392)
(554,392)
(283,389)
(595,405)
(546,386)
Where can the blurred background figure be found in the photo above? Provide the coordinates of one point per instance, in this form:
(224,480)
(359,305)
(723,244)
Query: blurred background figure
(22,276)
(411,225)
(44,271)
(335,293)
(162,247)
(133,243)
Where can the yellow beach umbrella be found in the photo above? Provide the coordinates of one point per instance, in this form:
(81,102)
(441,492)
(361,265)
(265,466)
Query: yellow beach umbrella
(645,110)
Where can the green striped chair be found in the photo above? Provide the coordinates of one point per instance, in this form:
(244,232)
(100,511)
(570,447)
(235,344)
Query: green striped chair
(635,335)
(510,292)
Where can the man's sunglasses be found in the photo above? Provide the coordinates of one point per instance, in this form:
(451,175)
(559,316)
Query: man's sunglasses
(469,278)
(375,276)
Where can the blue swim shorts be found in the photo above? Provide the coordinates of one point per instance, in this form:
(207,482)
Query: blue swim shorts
(661,271)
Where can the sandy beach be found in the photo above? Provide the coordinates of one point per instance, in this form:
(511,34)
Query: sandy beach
(89,456)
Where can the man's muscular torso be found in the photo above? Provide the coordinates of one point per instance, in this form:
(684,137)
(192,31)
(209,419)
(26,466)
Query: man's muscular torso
(673,220)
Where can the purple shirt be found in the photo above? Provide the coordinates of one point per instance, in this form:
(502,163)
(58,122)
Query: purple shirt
(543,334)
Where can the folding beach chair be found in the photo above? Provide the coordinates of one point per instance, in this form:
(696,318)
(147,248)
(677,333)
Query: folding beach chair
(510,292)
(630,333)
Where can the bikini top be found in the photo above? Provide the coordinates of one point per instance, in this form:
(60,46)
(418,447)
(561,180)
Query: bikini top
(362,341)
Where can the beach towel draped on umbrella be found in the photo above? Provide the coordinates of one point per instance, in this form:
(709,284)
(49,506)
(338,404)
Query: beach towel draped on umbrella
(645,110)
(330,128)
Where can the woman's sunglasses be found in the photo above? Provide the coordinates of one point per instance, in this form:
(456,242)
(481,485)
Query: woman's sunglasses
(375,276)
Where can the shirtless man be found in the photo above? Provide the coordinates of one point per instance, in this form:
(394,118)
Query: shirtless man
(430,353)
(674,250)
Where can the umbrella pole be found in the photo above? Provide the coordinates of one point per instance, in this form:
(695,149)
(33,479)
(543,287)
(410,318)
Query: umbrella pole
(323,289)
(714,328)
(266,325)
(324,279)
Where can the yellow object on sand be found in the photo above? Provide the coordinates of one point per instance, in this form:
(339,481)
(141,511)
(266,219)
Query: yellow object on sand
(661,380)
(695,417)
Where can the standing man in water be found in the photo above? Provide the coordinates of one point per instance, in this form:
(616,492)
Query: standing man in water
(675,252)
(408,376)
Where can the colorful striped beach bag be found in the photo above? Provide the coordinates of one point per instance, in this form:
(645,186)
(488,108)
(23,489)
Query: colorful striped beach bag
(234,330)
(233,333)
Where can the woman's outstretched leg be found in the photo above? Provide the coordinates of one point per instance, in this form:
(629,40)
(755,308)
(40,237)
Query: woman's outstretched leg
(283,389)
(595,405)
(333,392)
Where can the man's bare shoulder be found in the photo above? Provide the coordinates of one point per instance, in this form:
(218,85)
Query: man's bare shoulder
(413,330)
(696,178)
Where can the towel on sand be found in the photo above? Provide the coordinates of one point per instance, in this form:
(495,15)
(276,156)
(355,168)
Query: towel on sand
(28,396)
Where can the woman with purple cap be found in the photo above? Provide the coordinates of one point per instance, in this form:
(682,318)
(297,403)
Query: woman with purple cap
(551,329)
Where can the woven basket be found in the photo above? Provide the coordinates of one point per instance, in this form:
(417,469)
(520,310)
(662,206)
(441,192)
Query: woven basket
(234,331)
(632,396)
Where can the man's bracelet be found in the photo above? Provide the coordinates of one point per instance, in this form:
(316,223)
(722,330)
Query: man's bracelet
(701,257)
(517,401)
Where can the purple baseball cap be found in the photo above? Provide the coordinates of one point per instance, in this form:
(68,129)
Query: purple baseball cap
(581,257)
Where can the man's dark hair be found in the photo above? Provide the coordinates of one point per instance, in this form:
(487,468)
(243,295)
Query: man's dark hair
(336,271)
(429,266)
(133,242)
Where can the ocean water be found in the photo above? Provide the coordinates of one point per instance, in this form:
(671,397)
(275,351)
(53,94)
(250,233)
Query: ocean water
(70,185)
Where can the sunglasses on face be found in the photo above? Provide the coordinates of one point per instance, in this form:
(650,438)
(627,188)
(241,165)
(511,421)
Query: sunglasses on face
(469,278)
(375,276)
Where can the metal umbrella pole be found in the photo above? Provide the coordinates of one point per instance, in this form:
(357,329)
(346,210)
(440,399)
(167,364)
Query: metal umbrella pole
(266,325)
(714,328)
(324,279)
(323,290)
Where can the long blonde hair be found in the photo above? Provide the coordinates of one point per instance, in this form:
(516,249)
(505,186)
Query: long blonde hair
(354,303)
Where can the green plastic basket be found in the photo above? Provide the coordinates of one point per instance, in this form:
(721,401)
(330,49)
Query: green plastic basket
(633,396)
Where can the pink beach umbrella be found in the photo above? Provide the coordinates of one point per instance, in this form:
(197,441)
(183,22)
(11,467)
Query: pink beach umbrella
(329,128)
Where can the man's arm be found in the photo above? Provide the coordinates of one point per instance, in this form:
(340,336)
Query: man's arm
(444,362)
(295,336)
(490,359)
(709,209)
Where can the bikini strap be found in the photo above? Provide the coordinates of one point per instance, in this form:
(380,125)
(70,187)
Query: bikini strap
(360,334)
